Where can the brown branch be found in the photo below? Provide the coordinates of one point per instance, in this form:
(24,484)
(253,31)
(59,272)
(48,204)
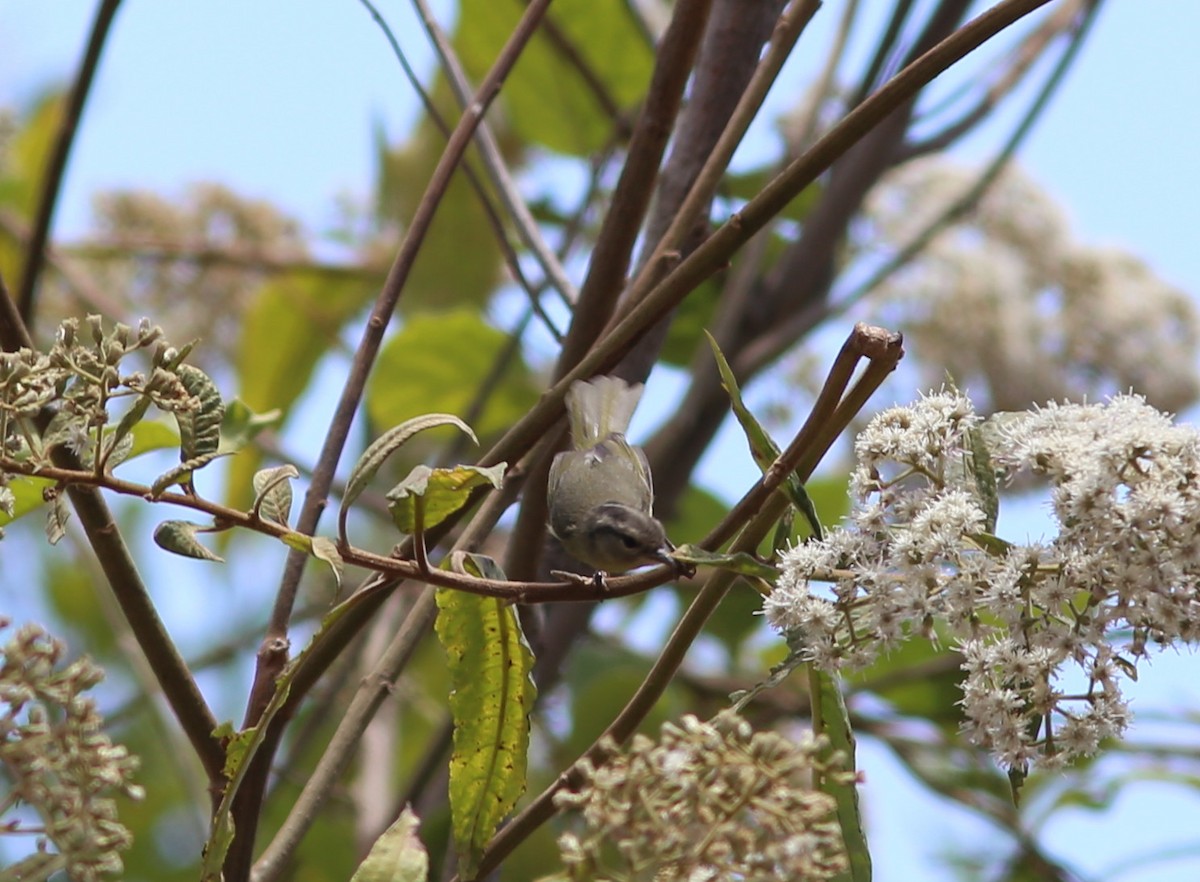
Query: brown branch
(207,253)
(56,169)
(766,348)
(1024,56)
(91,296)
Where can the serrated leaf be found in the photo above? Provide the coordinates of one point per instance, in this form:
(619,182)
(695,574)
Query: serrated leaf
(442,492)
(397,855)
(273,493)
(325,549)
(387,444)
(181,473)
(200,430)
(57,516)
(179,537)
(492,694)
(831,719)
(741,563)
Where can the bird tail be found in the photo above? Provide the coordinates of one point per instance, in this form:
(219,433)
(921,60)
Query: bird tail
(599,407)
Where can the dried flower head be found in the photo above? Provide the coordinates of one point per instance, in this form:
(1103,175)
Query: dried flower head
(58,759)
(708,800)
(918,554)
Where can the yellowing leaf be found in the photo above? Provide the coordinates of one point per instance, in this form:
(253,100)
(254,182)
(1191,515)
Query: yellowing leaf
(441,493)
(397,855)
(492,694)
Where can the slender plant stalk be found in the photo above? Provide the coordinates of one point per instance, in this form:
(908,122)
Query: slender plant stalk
(35,256)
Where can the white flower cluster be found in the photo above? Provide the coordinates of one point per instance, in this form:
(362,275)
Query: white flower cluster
(58,760)
(707,801)
(918,557)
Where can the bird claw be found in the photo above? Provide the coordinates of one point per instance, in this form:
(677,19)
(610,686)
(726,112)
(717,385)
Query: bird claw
(595,580)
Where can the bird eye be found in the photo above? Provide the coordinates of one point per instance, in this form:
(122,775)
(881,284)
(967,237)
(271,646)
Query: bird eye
(628,541)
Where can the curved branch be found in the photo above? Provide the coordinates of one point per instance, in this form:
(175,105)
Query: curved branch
(56,169)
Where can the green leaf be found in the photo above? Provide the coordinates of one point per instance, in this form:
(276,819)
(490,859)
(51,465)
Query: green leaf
(26,152)
(763,449)
(199,431)
(492,693)
(438,363)
(547,97)
(181,473)
(179,537)
(325,549)
(387,444)
(273,493)
(241,425)
(831,719)
(478,565)
(741,563)
(397,855)
(28,493)
(460,261)
(442,492)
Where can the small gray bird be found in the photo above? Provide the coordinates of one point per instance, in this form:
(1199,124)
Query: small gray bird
(600,494)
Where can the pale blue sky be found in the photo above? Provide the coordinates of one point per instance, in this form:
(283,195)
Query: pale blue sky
(277,99)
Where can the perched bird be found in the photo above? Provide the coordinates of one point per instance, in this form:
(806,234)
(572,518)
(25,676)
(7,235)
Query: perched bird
(600,493)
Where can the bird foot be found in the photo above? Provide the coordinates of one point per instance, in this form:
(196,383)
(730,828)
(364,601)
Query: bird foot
(597,579)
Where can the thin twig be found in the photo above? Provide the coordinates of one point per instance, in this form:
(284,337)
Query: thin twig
(506,195)
(791,25)
(56,169)
(493,162)
(1013,72)
(769,347)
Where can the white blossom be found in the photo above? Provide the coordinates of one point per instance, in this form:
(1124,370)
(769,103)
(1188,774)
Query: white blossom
(1122,573)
